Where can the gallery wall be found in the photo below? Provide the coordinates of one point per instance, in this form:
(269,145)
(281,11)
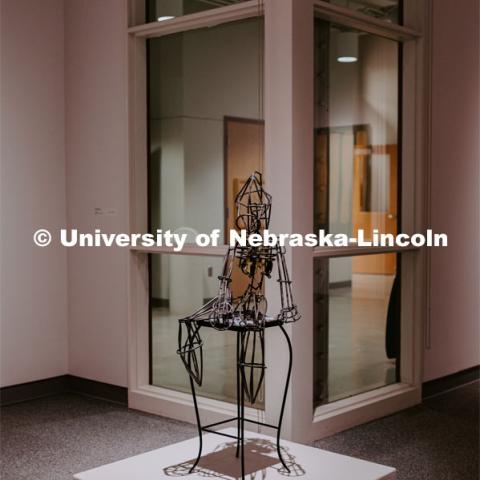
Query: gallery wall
(33,316)
(97,177)
(452,342)
(63,129)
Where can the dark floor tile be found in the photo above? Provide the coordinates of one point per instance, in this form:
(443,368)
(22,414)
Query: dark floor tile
(460,403)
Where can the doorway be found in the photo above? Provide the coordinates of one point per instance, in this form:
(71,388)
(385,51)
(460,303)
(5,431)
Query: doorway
(374,201)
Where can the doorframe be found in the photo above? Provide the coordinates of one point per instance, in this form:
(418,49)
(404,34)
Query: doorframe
(288,162)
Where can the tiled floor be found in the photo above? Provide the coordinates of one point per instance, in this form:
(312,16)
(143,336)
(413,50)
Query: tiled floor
(52,438)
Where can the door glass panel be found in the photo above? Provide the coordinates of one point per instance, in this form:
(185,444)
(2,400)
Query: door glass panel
(357,325)
(205,139)
(355,188)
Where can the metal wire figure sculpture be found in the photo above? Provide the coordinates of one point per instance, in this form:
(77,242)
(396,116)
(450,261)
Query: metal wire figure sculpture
(247,312)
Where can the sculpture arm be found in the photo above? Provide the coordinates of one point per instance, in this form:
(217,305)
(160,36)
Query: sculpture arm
(288,312)
(222,310)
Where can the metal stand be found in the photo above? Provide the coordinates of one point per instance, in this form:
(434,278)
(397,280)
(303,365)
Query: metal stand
(240,418)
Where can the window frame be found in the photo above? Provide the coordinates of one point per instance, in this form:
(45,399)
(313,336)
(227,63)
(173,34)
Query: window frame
(288,108)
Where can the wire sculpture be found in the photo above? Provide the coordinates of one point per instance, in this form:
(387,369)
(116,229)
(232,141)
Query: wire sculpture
(245,313)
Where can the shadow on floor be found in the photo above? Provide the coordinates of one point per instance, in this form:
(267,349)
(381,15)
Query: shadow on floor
(224,464)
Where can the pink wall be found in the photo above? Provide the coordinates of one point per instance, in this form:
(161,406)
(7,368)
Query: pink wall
(33,319)
(97,176)
(455,272)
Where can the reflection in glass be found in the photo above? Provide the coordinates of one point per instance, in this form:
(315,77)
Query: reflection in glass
(205,94)
(356,132)
(161,10)
(355,187)
(205,139)
(357,326)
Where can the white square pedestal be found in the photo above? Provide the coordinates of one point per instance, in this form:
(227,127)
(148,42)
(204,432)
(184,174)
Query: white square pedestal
(219,461)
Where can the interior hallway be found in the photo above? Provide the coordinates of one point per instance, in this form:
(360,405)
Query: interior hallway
(52,438)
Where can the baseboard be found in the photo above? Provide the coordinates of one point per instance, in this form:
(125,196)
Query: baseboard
(439,385)
(113,393)
(32,390)
(92,388)
(62,384)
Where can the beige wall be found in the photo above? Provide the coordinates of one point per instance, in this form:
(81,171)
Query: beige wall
(455,202)
(33,303)
(97,176)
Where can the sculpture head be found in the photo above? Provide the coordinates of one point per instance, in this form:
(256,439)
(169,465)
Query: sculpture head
(253,206)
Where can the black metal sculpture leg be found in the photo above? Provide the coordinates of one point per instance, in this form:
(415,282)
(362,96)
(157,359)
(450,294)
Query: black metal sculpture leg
(238,394)
(199,425)
(284,397)
(242,408)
